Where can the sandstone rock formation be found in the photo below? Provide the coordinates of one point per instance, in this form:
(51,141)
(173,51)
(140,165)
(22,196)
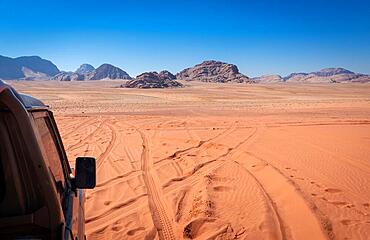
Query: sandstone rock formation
(68,76)
(85,69)
(166,75)
(108,71)
(153,80)
(213,71)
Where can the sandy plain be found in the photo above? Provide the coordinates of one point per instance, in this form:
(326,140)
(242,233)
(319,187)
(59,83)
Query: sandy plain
(214,161)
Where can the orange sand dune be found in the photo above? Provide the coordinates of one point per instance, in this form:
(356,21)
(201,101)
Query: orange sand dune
(220,161)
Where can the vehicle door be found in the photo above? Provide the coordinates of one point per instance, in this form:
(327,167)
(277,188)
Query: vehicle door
(60,171)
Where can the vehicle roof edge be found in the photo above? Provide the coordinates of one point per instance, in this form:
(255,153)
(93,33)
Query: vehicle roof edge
(30,103)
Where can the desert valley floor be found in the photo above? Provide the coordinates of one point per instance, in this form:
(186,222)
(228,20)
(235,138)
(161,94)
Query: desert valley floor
(219,161)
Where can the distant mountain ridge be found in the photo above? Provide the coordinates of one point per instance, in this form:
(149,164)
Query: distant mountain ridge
(88,72)
(27,67)
(37,68)
(273,78)
(326,75)
(326,72)
(37,64)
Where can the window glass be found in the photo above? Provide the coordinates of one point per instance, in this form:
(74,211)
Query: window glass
(55,163)
(18,193)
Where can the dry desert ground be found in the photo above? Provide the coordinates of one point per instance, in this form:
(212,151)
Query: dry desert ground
(219,161)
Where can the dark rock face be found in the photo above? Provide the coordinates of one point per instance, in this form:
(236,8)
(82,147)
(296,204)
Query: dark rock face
(108,71)
(23,67)
(85,69)
(213,71)
(153,80)
(37,64)
(68,76)
(166,75)
(9,69)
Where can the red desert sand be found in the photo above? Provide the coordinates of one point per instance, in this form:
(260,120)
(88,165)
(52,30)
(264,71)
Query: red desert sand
(219,161)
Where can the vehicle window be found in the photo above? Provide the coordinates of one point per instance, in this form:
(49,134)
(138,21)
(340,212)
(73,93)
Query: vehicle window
(18,195)
(2,176)
(50,146)
(10,193)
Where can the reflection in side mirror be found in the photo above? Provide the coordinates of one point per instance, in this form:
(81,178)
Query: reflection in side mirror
(85,173)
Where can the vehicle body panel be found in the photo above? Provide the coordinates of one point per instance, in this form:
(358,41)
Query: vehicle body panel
(52,210)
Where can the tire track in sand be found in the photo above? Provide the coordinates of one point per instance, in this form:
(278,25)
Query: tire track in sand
(179,153)
(109,148)
(157,209)
(83,140)
(297,219)
(206,167)
(77,126)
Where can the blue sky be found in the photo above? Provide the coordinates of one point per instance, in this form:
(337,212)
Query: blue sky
(260,37)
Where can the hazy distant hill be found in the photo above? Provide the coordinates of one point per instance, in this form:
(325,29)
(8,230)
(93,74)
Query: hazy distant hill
(326,75)
(9,69)
(268,79)
(28,67)
(213,71)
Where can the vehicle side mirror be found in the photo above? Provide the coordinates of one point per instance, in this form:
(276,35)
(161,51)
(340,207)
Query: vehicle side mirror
(85,173)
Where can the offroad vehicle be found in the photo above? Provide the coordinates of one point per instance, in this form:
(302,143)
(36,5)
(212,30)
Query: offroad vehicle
(40,198)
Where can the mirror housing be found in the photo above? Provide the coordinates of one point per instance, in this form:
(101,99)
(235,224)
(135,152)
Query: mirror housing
(85,176)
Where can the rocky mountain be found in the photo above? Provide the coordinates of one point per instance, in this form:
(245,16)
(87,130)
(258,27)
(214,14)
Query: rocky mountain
(9,69)
(163,79)
(37,64)
(85,69)
(328,75)
(268,79)
(68,76)
(108,71)
(88,72)
(28,68)
(213,71)
(327,72)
